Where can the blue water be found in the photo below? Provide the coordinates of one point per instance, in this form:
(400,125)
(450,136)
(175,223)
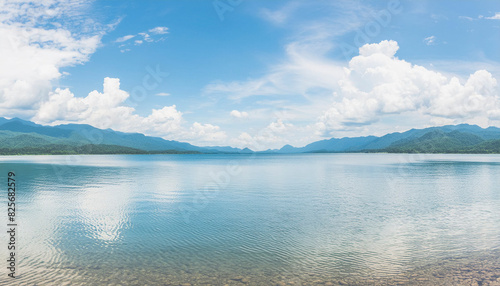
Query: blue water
(229,219)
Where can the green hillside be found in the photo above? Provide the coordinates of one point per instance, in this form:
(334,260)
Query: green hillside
(487,147)
(438,141)
(19,136)
(61,149)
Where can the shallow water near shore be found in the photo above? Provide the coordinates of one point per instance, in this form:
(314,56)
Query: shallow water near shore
(307,219)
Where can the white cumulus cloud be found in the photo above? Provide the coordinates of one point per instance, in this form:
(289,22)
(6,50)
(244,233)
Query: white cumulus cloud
(32,52)
(494,17)
(378,84)
(239,114)
(107,109)
(207,133)
(274,135)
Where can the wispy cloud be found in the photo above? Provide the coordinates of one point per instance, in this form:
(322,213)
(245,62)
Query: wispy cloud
(124,38)
(306,65)
(152,35)
(159,30)
(281,15)
(430,40)
(162,94)
(466,18)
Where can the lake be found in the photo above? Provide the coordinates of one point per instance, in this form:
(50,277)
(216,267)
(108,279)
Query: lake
(305,219)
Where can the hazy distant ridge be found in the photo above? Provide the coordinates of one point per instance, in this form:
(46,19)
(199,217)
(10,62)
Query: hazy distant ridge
(19,136)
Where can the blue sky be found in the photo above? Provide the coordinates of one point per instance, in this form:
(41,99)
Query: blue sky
(256,74)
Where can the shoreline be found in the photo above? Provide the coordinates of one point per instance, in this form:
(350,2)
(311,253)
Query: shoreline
(242,154)
(477,270)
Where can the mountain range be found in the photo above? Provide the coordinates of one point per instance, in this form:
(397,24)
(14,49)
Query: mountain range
(463,138)
(19,136)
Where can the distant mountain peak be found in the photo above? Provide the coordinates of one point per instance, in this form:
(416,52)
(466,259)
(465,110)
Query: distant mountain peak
(26,122)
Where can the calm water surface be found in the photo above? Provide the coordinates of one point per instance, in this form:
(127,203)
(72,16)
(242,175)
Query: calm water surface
(243,219)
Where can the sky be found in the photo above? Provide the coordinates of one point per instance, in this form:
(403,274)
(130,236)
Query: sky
(251,73)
